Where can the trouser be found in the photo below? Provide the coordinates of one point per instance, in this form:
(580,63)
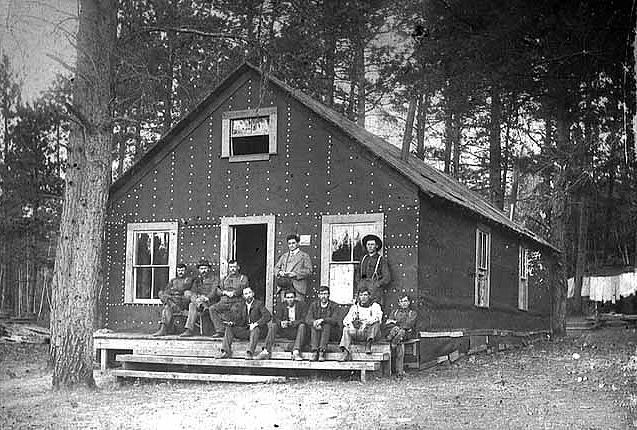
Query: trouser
(320,337)
(367,333)
(398,352)
(240,333)
(172,306)
(221,311)
(396,335)
(296,333)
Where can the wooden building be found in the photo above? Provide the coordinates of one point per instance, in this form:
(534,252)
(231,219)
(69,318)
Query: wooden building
(257,160)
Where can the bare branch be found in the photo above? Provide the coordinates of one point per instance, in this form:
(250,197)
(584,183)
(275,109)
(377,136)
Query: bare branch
(196,32)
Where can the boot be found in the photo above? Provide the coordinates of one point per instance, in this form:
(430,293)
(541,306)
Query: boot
(368,347)
(162,330)
(321,355)
(187,333)
(315,356)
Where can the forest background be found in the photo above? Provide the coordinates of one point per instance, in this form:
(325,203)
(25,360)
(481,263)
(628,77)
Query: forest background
(530,104)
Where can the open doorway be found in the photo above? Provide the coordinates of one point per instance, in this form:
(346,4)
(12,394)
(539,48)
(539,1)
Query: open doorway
(250,241)
(250,251)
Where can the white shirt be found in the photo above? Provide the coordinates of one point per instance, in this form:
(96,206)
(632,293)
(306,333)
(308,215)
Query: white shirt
(292,313)
(367,316)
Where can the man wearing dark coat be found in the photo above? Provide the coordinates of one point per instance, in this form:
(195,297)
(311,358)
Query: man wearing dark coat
(400,327)
(205,290)
(250,321)
(176,297)
(324,319)
(231,296)
(373,270)
(289,323)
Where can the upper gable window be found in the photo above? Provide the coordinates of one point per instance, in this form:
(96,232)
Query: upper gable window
(249,135)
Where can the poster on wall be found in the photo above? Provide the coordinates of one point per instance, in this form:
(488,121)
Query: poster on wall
(342,283)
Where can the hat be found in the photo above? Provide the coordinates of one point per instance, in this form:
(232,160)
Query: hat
(203,263)
(379,243)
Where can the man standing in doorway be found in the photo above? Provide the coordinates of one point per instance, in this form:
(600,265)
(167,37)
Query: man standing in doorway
(373,272)
(293,269)
(231,296)
(176,297)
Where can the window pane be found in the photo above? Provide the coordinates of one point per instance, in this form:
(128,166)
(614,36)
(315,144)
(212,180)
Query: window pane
(143,280)
(142,252)
(247,145)
(160,252)
(341,243)
(160,280)
(251,126)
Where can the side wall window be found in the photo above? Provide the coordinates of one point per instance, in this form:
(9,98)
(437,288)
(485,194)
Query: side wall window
(151,259)
(483,267)
(249,135)
(523,281)
(342,250)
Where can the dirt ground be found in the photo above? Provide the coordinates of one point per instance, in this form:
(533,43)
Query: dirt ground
(585,381)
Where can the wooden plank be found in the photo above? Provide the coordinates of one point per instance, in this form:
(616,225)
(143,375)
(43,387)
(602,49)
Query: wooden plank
(276,355)
(234,362)
(209,377)
(433,334)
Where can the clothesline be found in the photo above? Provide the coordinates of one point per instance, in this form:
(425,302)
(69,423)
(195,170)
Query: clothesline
(606,288)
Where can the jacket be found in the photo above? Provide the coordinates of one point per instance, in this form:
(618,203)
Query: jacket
(281,313)
(330,314)
(258,314)
(298,263)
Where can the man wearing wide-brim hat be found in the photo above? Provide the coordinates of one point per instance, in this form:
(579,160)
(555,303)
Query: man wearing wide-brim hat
(373,271)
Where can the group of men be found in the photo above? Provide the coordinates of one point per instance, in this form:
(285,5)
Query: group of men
(236,313)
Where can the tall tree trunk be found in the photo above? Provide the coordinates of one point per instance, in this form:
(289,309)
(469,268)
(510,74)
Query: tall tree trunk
(515,185)
(448,138)
(330,71)
(79,248)
(361,96)
(559,220)
(423,102)
(456,136)
(409,127)
(168,96)
(580,262)
(495,150)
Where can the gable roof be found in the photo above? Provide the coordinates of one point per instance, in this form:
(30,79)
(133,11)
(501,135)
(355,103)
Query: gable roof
(430,180)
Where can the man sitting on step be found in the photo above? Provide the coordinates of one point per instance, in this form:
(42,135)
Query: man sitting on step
(250,322)
(205,291)
(231,296)
(289,323)
(362,323)
(324,319)
(175,297)
(400,327)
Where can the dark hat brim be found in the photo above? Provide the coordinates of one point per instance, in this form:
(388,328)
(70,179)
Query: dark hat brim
(379,243)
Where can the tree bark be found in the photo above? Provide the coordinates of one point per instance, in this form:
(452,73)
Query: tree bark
(448,138)
(580,263)
(495,150)
(79,247)
(515,185)
(360,67)
(456,133)
(422,124)
(559,220)
(409,127)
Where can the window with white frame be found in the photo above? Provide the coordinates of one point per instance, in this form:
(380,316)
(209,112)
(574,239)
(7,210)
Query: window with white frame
(249,135)
(342,250)
(523,282)
(151,259)
(483,263)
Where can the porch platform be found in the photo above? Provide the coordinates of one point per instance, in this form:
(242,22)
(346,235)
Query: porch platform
(143,355)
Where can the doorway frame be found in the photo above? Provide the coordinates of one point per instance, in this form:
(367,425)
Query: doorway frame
(225,249)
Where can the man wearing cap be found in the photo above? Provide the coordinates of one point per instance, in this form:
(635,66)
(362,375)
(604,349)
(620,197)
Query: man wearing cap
(373,270)
(232,287)
(293,269)
(176,296)
(324,320)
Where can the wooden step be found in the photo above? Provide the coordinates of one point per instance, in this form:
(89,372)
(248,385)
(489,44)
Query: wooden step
(209,377)
(238,362)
